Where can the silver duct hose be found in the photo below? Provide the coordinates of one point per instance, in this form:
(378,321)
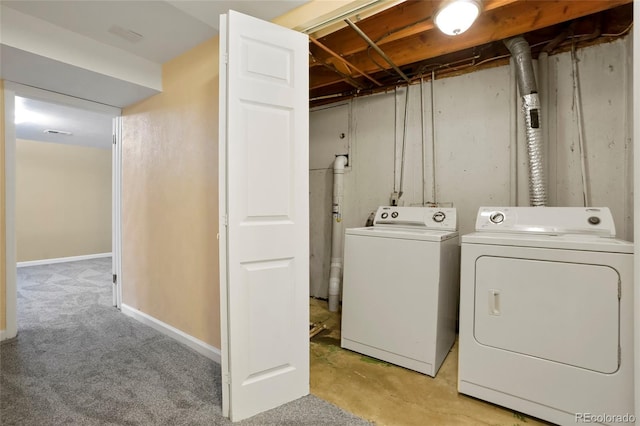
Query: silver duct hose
(521,53)
(537,181)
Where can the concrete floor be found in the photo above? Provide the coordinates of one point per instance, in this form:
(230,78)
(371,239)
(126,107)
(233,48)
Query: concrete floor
(389,395)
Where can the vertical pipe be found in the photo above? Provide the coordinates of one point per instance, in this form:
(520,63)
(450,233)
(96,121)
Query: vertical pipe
(335,273)
(513,127)
(422,138)
(404,141)
(543,76)
(433,139)
(577,98)
(395,138)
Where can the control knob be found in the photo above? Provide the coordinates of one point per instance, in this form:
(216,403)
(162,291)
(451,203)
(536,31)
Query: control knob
(496,217)
(439,217)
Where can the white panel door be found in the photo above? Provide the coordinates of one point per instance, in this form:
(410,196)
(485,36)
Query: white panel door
(264,199)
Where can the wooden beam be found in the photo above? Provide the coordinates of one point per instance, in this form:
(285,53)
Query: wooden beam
(347,42)
(426,25)
(508,21)
(407,19)
(347,63)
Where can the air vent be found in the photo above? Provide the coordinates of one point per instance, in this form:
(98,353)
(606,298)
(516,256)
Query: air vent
(129,35)
(57,132)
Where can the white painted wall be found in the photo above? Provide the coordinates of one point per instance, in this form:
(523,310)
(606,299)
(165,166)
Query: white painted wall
(480,156)
(36,36)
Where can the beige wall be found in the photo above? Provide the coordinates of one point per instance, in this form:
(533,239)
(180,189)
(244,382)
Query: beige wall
(63,200)
(170,190)
(170,198)
(3,259)
(170,251)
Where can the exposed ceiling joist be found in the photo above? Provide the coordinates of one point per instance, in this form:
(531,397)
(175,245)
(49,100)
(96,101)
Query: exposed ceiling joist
(407,35)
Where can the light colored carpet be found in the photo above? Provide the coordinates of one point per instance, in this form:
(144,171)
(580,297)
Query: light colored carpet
(79,361)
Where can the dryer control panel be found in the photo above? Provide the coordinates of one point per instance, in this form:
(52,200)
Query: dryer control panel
(547,220)
(417,217)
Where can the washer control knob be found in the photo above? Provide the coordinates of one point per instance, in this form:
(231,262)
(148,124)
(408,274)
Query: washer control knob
(497,217)
(594,220)
(384,215)
(439,217)
(394,215)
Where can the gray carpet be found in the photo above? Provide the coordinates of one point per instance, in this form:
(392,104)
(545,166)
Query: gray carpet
(79,361)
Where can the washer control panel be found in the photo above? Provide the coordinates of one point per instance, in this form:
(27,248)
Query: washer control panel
(547,220)
(421,217)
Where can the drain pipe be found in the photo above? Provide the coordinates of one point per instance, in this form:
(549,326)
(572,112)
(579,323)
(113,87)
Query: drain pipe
(335,274)
(521,53)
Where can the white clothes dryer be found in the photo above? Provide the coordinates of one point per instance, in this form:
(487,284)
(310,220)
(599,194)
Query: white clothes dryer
(401,283)
(546,314)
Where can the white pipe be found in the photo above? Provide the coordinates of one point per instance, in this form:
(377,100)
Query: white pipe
(404,142)
(545,102)
(335,274)
(433,140)
(577,99)
(513,126)
(423,140)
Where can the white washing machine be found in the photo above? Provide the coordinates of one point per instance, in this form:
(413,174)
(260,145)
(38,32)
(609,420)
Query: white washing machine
(400,287)
(546,314)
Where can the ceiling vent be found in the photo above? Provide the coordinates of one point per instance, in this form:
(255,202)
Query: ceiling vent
(129,35)
(57,132)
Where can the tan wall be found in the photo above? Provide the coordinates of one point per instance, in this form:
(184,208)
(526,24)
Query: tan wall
(170,198)
(170,190)
(3,259)
(63,200)
(170,251)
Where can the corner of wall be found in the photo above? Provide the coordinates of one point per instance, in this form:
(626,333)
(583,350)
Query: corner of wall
(169,150)
(3,259)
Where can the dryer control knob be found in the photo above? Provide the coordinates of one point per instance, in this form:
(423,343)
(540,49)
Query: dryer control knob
(594,220)
(394,215)
(384,215)
(496,217)
(439,217)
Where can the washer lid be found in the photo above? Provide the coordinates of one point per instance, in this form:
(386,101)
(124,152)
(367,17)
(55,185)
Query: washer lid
(402,233)
(564,241)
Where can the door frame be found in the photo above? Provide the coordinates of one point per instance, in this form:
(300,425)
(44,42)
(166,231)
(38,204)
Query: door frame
(11,90)
(116,211)
(11,294)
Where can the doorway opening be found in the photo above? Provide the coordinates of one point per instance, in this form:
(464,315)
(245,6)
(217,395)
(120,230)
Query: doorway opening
(62,204)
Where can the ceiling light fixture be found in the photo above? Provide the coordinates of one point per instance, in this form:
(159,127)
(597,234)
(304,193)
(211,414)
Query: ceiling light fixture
(57,132)
(456,16)
(129,35)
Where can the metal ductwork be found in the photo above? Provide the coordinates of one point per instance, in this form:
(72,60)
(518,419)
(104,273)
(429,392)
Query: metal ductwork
(521,53)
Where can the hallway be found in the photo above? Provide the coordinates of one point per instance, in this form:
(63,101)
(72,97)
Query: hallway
(77,360)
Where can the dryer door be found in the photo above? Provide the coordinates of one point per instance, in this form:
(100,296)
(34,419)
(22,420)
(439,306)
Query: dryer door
(559,311)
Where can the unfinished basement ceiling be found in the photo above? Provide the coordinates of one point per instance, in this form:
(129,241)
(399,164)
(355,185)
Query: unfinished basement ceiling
(342,65)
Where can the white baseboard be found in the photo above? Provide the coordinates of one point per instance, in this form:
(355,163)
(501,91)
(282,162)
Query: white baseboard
(5,336)
(197,345)
(61,259)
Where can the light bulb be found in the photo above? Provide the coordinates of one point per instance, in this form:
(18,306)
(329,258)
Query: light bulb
(455,17)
